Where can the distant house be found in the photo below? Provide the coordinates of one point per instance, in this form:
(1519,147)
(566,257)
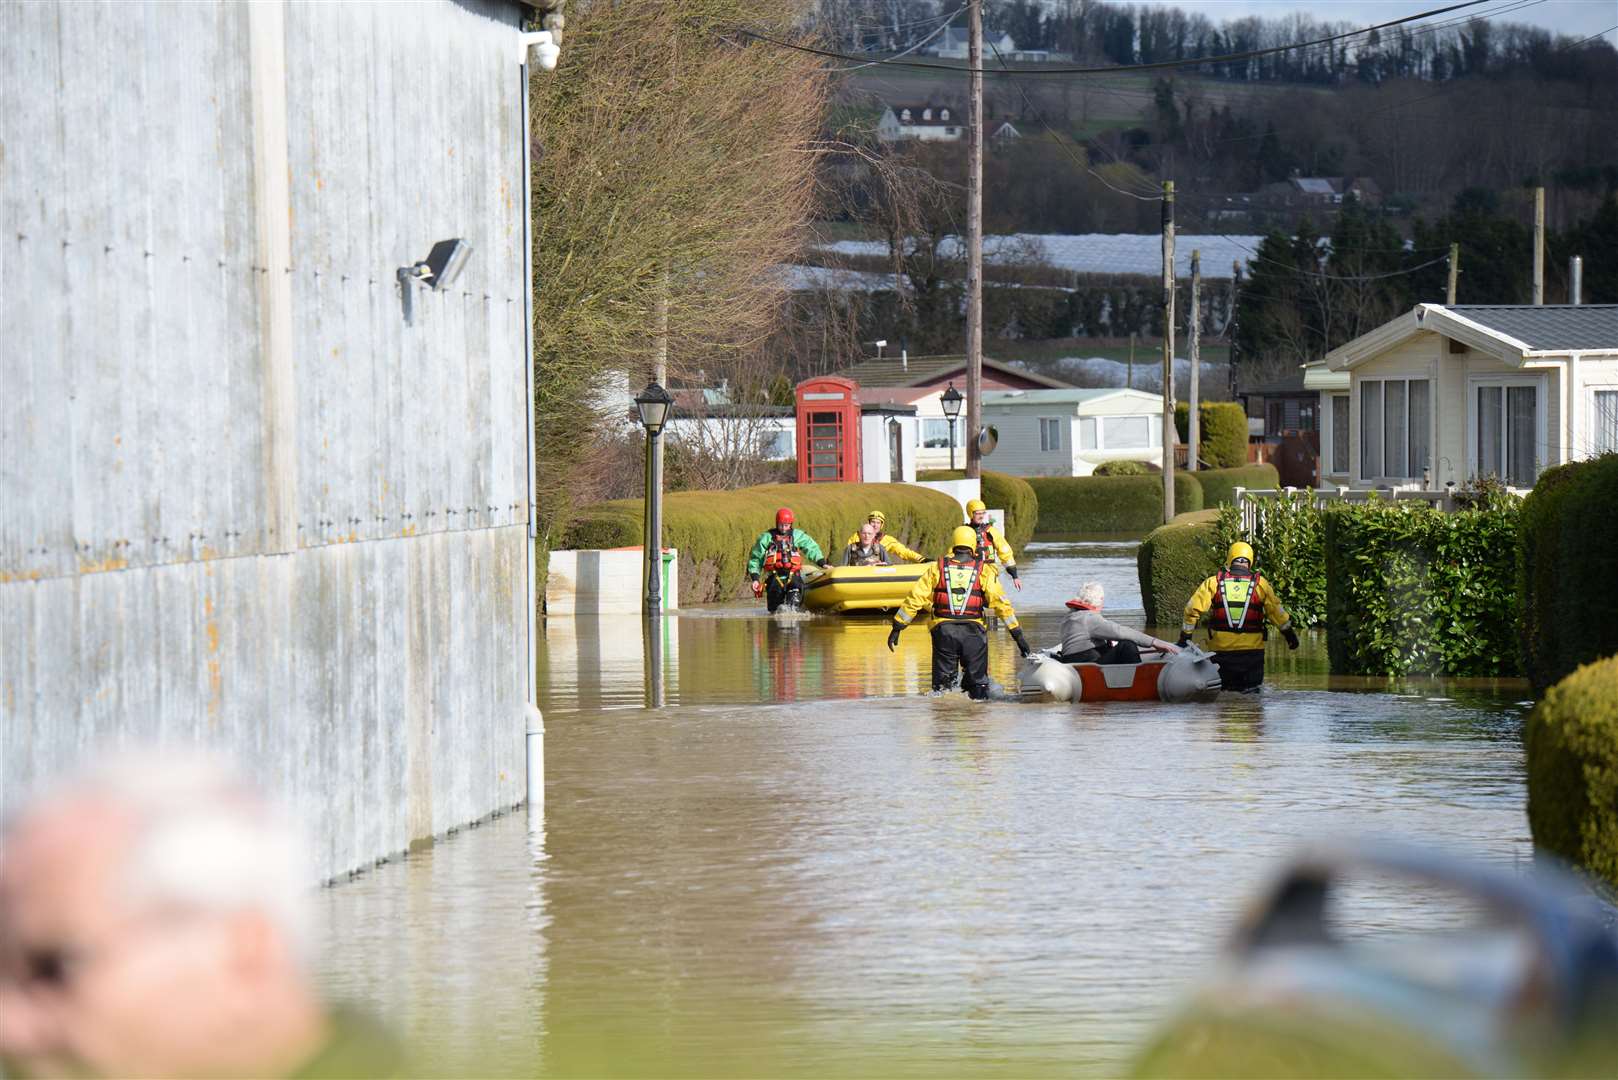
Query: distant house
(919,380)
(1327,191)
(1453,393)
(937,123)
(953,45)
(1005,129)
(1069,432)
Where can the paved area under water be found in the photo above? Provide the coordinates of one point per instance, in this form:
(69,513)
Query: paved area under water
(799,864)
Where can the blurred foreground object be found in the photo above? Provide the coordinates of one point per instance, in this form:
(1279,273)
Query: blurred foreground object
(1527,987)
(153,922)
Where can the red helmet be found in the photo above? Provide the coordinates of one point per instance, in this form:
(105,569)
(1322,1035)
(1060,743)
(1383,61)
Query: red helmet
(783,518)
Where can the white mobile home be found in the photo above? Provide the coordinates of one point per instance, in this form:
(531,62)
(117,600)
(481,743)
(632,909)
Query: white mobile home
(1070,432)
(1452,393)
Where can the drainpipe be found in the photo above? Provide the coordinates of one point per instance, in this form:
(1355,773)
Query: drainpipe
(1575,280)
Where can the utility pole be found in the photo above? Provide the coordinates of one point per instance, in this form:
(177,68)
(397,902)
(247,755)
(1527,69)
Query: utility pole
(1193,426)
(1168,350)
(974,242)
(1129,372)
(1539,245)
(1454,273)
(1235,322)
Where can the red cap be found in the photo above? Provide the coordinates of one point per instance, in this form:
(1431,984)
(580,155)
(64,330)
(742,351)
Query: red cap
(783,518)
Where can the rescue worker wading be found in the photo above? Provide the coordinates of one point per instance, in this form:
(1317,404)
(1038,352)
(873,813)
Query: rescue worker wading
(959,590)
(896,551)
(992,547)
(1237,602)
(779,553)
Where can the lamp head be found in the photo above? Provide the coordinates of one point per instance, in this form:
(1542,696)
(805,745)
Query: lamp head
(654,405)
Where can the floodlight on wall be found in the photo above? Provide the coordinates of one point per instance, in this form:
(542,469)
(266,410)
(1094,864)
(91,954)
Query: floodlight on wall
(437,272)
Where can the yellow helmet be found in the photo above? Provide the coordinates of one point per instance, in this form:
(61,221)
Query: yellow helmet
(1239,550)
(964,536)
(974,505)
(877,516)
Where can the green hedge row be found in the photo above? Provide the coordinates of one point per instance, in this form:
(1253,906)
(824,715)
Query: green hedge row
(1219,485)
(715,530)
(1411,590)
(1572,745)
(1567,569)
(1222,429)
(1173,560)
(1002,491)
(1109,504)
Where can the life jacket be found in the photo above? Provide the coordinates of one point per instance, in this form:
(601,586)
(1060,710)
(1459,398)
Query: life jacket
(783,555)
(986,549)
(1080,605)
(959,592)
(1235,608)
(876,556)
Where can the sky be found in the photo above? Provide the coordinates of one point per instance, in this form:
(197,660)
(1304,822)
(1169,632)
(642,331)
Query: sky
(1580,18)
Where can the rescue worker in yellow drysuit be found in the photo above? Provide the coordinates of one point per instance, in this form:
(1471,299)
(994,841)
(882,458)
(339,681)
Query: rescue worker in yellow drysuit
(992,547)
(1237,601)
(897,552)
(959,590)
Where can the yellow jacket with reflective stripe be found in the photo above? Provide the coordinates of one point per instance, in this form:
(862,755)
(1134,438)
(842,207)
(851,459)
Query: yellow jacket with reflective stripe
(921,597)
(1002,550)
(1207,594)
(893,546)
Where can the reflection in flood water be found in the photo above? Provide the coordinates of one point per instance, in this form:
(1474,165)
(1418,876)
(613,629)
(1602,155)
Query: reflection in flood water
(800,865)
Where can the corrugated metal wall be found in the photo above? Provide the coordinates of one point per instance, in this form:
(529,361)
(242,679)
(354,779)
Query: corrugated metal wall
(243,502)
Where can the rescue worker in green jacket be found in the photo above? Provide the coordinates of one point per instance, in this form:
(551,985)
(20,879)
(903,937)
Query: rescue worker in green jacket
(897,552)
(992,547)
(1238,602)
(778,554)
(958,591)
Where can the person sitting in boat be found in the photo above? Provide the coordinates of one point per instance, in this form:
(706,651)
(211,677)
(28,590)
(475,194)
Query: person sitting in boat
(992,547)
(779,554)
(1088,637)
(866,549)
(1238,601)
(896,551)
(959,590)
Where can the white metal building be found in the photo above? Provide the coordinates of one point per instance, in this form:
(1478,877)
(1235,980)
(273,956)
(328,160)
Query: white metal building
(1070,432)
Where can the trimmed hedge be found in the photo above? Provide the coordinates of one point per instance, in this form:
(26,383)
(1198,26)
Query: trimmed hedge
(1100,504)
(1567,569)
(1002,491)
(1219,485)
(1289,543)
(1123,467)
(1222,427)
(715,530)
(1173,560)
(1572,745)
(1410,590)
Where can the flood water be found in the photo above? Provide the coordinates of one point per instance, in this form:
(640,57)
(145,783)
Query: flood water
(799,864)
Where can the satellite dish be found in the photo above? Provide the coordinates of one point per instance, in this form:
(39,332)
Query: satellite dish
(988,439)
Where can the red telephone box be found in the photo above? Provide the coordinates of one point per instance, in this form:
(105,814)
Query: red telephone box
(828,417)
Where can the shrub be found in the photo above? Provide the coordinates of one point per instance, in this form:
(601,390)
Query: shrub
(1222,429)
(715,530)
(1567,569)
(1289,544)
(1173,560)
(1123,467)
(1002,491)
(1413,590)
(1100,504)
(1572,745)
(1219,485)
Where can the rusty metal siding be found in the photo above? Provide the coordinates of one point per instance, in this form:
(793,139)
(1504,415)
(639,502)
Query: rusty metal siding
(244,503)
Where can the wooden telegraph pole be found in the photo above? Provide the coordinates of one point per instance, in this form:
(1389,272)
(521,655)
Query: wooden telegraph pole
(1454,273)
(1193,428)
(974,242)
(1168,350)
(1539,245)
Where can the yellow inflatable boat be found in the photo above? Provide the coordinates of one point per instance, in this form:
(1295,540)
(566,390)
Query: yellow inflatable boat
(860,588)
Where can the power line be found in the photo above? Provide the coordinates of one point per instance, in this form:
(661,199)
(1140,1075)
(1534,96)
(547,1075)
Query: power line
(947,20)
(1158,65)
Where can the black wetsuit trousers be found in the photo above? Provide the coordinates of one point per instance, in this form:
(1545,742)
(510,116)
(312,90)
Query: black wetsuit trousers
(779,590)
(963,645)
(1240,669)
(1118,652)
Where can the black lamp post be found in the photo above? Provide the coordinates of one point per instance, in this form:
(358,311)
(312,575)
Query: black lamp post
(654,406)
(951,400)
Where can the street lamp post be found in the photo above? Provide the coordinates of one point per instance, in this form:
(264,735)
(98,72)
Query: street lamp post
(654,405)
(950,400)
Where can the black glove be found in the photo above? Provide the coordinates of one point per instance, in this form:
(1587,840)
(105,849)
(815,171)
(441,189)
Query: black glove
(893,636)
(1185,639)
(1011,572)
(1292,637)
(1022,642)
(826,566)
